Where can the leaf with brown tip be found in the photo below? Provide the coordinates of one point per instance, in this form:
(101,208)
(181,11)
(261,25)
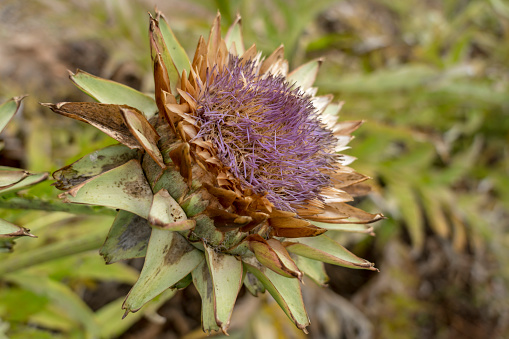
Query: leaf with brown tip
(234,36)
(325,249)
(214,40)
(105,117)
(277,259)
(276,56)
(145,134)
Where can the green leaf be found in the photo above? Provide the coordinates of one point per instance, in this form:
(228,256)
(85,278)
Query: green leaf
(410,210)
(8,109)
(111,92)
(325,249)
(253,285)
(286,292)
(127,239)
(8,230)
(169,259)
(59,294)
(109,317)
(226,274)
(123,187)
(93,164)
(177,52)
(52,251)
(202,280)
(312,268)
(29,180)
(11,177)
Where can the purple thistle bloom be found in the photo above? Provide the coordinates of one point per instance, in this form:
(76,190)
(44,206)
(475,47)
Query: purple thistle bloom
(267,132)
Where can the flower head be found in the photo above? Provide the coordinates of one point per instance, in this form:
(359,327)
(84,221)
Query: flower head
(228,176)
(267,132)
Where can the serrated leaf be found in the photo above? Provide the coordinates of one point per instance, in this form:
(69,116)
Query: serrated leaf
(226,274)
(169,259)
(93,164)
(286,292)
(111,92)
(123,187)
(325,249)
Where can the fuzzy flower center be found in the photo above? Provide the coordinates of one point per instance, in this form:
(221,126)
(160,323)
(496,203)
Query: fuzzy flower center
(267,132)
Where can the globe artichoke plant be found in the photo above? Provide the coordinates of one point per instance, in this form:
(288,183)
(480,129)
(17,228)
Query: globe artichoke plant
(228,176)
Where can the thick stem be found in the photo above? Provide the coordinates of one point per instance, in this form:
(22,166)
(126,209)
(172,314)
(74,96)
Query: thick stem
(50,252)
(53,205)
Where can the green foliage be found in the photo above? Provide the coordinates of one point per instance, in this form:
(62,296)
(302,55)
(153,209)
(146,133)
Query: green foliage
(430,81)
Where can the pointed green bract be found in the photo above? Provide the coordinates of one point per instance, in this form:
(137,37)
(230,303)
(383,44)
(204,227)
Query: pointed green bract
(167,214)
(332,109)
(93,164)
(127,239)
(325,249)
(8,230)
(31,179)
(177,52)
(111,92)
(358,228)
(312,268)
(226,273)
(9,178)
(158,47)
(253,285)
(169,259)
(203,283)
(273,257)
(123,187)
(286,292)
(304,76)
(234,36)
(8,109)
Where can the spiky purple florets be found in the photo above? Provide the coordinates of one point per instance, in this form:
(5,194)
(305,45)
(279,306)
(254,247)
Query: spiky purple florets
(267,132)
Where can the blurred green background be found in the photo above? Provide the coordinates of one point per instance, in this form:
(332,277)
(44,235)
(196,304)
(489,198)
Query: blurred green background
(431,79)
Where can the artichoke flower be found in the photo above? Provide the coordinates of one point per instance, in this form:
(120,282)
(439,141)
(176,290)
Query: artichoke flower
(228,177)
